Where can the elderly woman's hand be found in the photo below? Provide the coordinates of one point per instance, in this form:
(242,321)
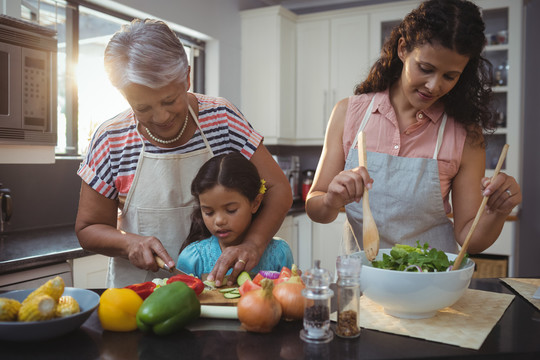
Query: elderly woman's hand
(243,257)
(504,193)
(142,252)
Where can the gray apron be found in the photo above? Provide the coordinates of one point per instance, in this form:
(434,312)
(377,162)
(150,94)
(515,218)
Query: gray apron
(159,203)
(405,200)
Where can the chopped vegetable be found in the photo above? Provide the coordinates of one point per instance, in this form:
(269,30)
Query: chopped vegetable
(191,281)
(258,310)
(143,289)
(248,286)
(244,275)
(416,259)
(272,275)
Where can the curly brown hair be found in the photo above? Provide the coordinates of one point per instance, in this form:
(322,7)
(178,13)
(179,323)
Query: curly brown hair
(458,26)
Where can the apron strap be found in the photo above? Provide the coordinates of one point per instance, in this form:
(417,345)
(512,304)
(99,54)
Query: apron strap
(364,122)
(440,137)
(196,119)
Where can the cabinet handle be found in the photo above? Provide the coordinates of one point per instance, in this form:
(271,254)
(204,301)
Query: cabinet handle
(325,103)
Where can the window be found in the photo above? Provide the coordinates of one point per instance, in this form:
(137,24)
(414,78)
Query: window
(85,96)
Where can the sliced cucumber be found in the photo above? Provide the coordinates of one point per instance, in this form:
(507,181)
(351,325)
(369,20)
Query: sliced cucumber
(227,290)
(242,278)
(231,295)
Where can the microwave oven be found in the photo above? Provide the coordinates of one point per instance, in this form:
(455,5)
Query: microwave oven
(28,94)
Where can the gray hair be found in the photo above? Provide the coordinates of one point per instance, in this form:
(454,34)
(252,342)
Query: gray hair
(146,53)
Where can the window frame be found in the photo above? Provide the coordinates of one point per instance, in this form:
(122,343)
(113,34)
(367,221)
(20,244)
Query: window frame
(72,56)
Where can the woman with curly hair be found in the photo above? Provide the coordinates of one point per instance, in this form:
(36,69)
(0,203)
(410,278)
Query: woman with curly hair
(423,109)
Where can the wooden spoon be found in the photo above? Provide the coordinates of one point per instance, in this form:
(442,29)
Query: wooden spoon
(457,262)
(370,233)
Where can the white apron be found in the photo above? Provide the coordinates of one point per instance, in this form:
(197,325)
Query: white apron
(159,203)
(405,200)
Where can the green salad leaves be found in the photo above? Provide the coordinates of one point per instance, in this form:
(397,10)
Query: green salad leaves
(415,259)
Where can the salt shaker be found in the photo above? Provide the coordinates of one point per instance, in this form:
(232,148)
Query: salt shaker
(348,296)
(317,295)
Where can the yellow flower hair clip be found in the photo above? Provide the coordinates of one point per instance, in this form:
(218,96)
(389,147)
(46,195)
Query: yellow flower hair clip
(262,189)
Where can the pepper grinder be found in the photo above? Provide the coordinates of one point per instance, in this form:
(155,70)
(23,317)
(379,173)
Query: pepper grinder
(348,296)
(317,295)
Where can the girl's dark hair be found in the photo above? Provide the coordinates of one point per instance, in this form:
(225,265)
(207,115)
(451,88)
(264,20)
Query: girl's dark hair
(456,25)
(232,171)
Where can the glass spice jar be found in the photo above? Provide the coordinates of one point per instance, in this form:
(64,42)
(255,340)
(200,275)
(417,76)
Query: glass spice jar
(317,295)
(348,296)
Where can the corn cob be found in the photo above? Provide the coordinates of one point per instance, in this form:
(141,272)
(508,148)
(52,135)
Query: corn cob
(67,306)
(54,288)
(9,308)
(40,307)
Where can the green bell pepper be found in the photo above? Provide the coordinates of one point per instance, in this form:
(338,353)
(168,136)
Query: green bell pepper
(168,309)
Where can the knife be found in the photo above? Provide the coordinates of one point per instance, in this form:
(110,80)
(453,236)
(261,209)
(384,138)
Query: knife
(175,271)
(165,267)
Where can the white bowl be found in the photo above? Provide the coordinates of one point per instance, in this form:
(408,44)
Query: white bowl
(41,330)
(413,295)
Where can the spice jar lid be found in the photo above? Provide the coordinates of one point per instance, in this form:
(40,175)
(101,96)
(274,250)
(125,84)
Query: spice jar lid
(348,265)
(317,278)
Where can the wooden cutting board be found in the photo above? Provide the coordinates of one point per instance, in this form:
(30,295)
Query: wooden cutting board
(214,297)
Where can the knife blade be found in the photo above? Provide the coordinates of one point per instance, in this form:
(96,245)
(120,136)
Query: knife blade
(175,271)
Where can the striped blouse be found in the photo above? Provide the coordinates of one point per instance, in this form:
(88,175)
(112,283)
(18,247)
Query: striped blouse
(111,161)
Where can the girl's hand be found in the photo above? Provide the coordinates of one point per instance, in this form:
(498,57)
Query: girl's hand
(243,257)
(347,186)
(142,251)
(504,193)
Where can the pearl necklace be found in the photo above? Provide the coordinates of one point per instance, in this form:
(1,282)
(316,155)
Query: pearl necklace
(155,138)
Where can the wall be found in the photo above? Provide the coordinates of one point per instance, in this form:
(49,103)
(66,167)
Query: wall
(528,247)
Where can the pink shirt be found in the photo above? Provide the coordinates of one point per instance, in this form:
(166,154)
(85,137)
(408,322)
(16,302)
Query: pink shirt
(417,141)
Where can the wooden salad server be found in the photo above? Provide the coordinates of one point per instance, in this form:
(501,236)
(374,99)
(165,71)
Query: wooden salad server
(457,262)
(370,232)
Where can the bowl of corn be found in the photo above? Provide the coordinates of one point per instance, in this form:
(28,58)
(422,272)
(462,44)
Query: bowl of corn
(49,311)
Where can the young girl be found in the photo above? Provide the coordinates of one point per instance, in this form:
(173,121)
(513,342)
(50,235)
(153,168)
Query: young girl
(229,192)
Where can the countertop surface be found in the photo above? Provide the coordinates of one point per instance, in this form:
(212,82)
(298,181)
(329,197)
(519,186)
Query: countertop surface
(515,336)
(27,249)
(22,250)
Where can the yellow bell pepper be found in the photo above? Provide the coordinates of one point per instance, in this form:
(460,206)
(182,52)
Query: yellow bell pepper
(118,308)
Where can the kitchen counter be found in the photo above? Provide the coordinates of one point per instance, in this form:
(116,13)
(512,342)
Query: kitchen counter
(22,250)
(515,336)
(27,249)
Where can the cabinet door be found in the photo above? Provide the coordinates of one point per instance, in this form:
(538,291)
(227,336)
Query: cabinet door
(349,60)
(312,80)
(327,242)
(268,65)
(289,232)
(90,272)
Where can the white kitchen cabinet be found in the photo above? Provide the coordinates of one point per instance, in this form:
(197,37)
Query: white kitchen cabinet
(331,60)
(90,272)
(289,232)
(268,72)
(326,241)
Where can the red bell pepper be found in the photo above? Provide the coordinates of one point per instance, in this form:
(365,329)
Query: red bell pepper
(195,283)
(143,289)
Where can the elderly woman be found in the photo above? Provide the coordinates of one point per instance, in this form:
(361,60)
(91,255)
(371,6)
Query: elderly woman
(135,202)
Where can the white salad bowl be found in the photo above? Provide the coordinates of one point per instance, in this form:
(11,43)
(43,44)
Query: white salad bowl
(413,295)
